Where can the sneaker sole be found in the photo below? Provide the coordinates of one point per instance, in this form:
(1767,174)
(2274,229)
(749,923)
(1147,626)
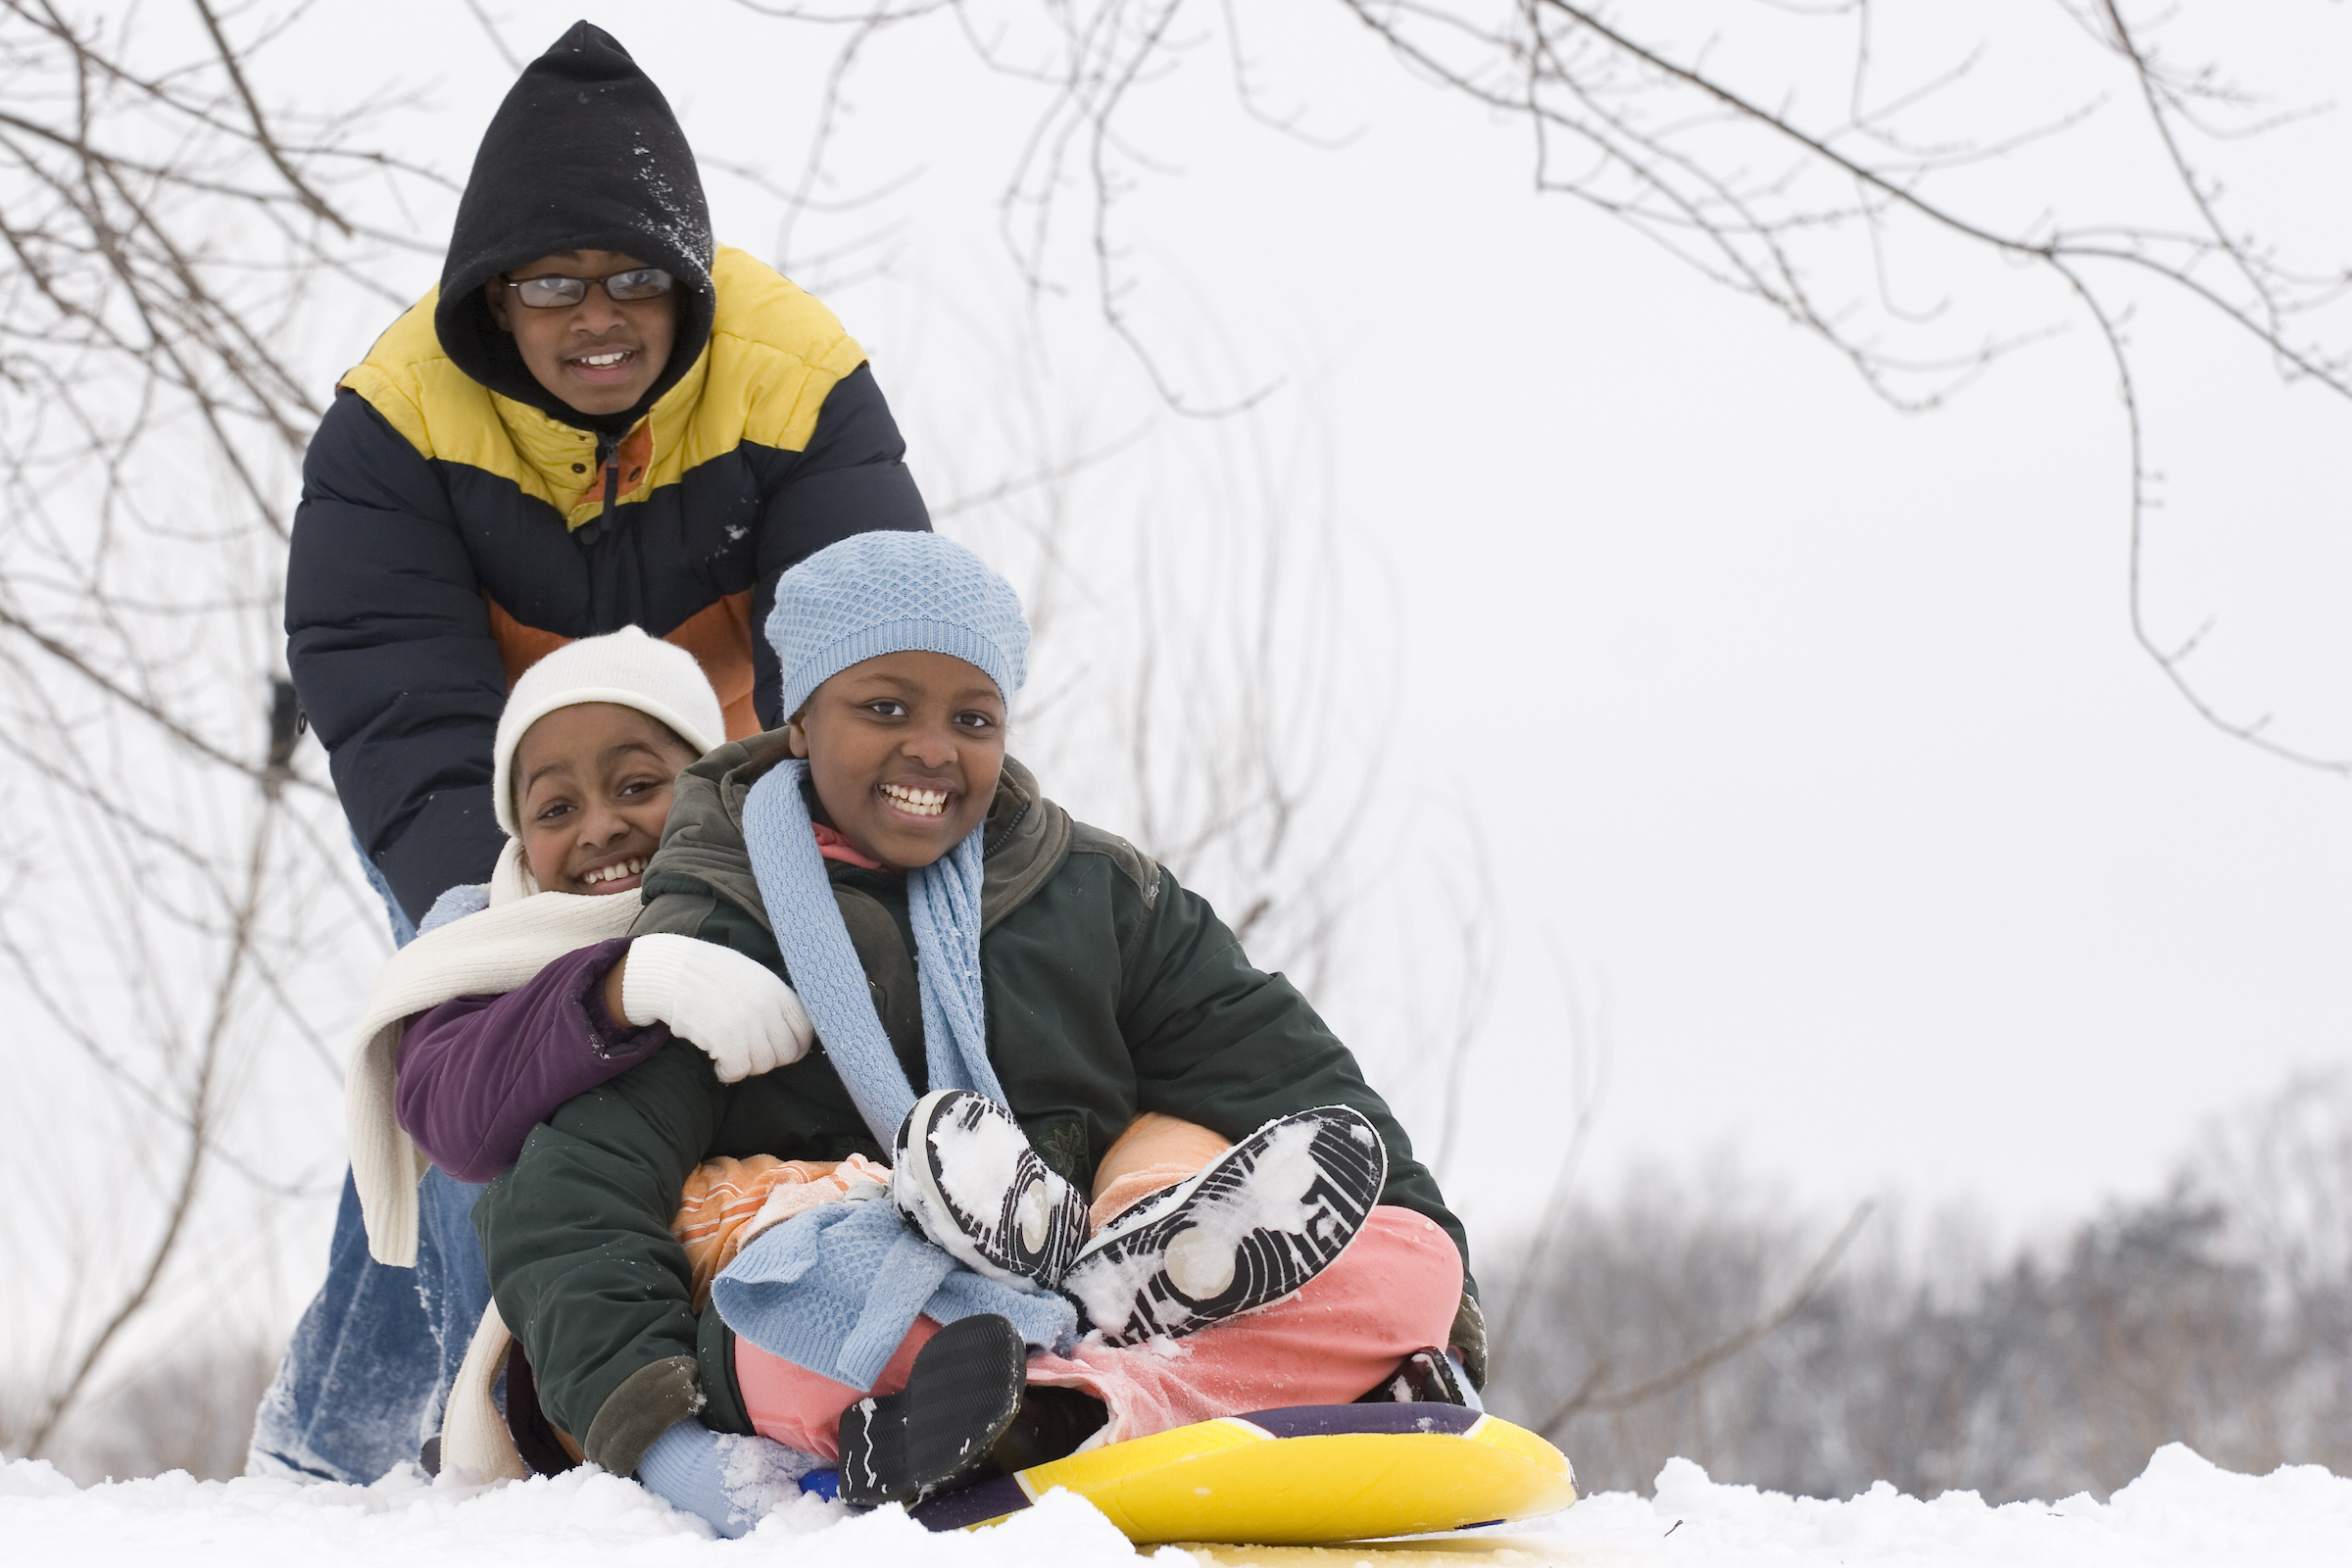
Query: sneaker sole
(992,1246)
(1267,1217)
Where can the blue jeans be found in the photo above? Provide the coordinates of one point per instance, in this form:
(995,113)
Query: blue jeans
(371,1362)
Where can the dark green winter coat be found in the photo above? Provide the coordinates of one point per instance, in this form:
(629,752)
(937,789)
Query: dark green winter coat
(1111,990)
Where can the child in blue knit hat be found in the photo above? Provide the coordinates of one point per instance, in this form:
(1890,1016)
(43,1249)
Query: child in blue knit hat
(1026,1012)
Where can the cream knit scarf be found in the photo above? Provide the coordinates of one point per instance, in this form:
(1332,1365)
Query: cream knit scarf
(485,953)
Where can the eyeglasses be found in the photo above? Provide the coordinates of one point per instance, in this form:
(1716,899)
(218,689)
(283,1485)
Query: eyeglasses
(553,293)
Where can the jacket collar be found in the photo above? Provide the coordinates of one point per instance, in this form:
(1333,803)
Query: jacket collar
(1024,840)
(566,455)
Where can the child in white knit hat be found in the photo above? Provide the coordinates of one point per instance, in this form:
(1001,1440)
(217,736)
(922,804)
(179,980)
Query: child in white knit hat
(530,989)
(522,993)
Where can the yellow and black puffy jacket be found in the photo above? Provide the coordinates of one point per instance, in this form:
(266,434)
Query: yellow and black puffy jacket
(450,535)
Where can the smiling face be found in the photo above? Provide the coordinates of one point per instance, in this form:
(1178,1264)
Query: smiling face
(599,355)
(592,786)
(904,751)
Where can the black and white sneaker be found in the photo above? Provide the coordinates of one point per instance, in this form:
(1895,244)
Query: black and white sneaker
(943,1428)
(1269,1214)
(965,1175)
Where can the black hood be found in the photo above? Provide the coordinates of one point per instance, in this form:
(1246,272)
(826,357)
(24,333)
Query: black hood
(583,154)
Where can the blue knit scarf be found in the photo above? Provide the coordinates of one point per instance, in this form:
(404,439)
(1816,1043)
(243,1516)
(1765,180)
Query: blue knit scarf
(943,900)
(836,1288)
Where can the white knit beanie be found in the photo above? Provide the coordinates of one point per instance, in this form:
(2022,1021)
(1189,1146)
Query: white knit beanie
(624,667)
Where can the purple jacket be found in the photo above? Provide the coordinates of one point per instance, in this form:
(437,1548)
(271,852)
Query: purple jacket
(478,1073)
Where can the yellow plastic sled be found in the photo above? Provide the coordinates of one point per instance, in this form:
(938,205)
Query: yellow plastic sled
(1309,1475)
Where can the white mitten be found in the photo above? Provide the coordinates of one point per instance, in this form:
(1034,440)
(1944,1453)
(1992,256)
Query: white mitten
(740,1013)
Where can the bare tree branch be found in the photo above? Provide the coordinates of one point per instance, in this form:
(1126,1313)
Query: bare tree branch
(1734,180)
(197,1158)
(161,230)
(146,708)
(261,125)
(1589,1397)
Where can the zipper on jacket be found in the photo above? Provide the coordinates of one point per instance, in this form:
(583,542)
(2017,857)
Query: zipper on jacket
(608,458)
(608,451)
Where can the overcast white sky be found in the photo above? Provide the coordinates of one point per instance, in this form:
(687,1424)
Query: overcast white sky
(1811,734)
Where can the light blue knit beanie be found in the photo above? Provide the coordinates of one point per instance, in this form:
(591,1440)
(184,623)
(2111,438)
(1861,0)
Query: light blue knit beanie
(890,593)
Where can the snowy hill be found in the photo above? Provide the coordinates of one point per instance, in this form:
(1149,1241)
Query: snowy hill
(2182,1511)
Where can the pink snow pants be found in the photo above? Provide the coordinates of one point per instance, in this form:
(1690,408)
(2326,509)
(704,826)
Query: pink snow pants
(1393,1292)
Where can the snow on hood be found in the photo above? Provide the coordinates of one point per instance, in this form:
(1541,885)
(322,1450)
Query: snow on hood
(583,154)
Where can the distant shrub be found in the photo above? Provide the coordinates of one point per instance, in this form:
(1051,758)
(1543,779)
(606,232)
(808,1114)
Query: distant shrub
(192,1410)
(2217,1314)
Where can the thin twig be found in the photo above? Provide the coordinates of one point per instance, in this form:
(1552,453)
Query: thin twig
(199,1142)
(1587,1397)
(261,124)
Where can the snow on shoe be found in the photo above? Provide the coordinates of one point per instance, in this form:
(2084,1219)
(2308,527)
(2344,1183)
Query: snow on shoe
(966,1176)
(1266,1216)
(962,1391)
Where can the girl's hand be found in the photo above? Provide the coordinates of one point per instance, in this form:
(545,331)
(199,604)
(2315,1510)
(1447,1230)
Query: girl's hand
(733,1008)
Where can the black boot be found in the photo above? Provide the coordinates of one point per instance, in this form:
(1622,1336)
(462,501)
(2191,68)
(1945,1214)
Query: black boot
(1425,1376)
(962,1394)
(1049,1425)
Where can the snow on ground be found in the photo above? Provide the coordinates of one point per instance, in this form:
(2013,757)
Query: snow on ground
(2182,1510)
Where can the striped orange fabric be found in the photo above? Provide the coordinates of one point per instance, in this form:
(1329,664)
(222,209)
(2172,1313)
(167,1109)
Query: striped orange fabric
(724,1196)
